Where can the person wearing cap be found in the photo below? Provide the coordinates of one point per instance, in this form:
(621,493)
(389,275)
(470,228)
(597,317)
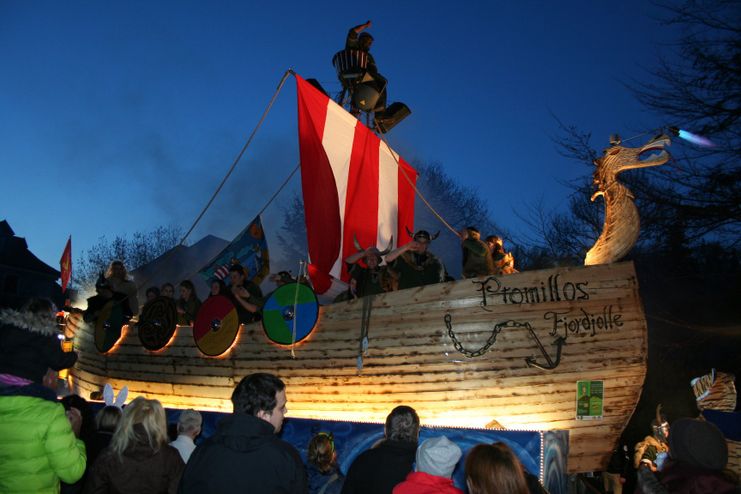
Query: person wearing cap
(39,443)
(371,279)
(477,260)
(379,469)
(189,427)
(358,40)
(436,460)
(413,265)
(698,456)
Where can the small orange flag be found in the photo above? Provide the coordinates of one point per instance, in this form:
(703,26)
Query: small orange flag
(66,264)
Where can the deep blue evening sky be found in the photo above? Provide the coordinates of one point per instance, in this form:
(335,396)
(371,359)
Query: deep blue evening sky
(117,117)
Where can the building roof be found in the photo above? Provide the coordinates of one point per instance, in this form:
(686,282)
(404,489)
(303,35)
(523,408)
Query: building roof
(14,253)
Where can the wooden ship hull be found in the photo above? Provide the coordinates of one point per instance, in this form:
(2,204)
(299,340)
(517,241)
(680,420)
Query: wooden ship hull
(412,359)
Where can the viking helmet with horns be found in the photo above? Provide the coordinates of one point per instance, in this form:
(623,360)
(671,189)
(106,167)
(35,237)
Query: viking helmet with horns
(424,235)
(374,250)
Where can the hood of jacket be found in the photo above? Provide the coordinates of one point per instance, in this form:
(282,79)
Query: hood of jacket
(29,345)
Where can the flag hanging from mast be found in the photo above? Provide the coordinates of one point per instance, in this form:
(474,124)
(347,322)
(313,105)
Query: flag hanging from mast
(352,186)
(249,248)
(65,264)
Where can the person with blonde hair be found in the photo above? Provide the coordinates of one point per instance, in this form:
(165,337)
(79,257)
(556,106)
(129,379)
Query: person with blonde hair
(494,468)
(138,460)
(120,282)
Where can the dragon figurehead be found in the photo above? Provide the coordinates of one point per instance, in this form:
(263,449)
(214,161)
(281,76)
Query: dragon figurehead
(622,224)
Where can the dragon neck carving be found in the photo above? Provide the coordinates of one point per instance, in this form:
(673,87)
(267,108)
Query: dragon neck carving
(622,223)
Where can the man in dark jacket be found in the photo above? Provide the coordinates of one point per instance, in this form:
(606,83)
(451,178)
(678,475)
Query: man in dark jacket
(245,455)
(379,469)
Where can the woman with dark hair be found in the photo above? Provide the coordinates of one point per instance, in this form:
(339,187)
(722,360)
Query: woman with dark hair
(152,293)
(188,303)
(324,475)
(218,287)
(494,468)
(138,460)
(167,290)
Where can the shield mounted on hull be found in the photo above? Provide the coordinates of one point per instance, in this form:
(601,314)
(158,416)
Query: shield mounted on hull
(294,303)
(216,326)
(157,323)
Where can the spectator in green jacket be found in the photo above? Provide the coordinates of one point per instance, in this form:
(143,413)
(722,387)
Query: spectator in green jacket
(38,443)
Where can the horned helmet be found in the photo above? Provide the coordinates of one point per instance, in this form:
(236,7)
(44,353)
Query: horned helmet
(423,236)
(374,251)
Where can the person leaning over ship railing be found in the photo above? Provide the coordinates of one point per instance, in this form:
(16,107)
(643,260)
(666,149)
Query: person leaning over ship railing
(373,278)
(504,262)
(246,295)
(413,264)
(477,259)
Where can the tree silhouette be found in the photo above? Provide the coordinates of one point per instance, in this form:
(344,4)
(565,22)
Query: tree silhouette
(136,251)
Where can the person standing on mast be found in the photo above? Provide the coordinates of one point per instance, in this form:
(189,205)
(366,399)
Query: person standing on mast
(358,40)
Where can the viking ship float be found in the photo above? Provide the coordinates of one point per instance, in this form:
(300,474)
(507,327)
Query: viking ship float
(489,352)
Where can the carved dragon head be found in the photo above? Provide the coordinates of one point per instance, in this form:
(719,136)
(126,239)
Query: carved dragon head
(618,158)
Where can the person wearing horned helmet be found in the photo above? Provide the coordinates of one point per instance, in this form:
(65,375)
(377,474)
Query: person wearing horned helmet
(413,264)
(373,278)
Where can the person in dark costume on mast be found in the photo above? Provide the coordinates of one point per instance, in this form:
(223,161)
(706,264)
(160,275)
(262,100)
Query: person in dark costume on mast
(358,40)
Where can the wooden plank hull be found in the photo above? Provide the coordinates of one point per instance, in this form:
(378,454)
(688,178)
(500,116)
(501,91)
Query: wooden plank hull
(412,358)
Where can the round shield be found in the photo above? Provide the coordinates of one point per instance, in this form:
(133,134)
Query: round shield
(294,302)
(108,326)
(157,323)
(216,325)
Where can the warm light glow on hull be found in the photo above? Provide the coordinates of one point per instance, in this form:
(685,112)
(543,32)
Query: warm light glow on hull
(119,341)
(411,360)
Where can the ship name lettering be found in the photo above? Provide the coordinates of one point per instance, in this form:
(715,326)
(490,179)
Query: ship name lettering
(564,323)
(550,290)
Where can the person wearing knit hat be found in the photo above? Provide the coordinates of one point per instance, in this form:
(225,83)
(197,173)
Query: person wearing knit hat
(436,460)
(698,458)
(40,446)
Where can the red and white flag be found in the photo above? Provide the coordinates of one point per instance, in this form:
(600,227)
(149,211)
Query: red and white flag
(352,186)
(65,263)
